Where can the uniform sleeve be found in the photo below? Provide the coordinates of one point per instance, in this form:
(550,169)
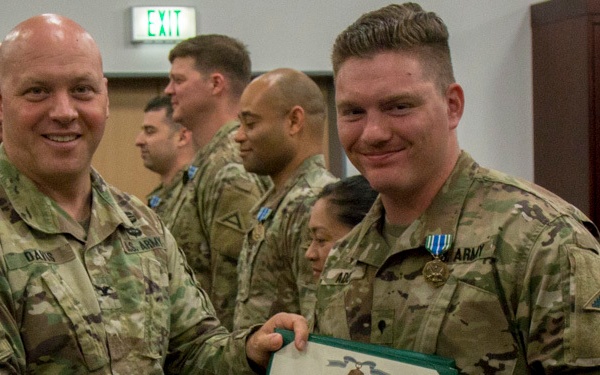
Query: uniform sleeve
(12,351)
(198,343)
(559,307)
(234,195)
(294,246)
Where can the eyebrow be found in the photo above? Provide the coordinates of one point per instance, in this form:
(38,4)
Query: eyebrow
(244,114)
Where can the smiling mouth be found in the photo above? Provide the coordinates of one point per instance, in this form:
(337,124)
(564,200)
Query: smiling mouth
(62,138)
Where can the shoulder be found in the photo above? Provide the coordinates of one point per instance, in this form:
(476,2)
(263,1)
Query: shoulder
(500,189)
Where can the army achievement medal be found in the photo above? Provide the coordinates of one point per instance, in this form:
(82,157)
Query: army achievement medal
(258,233)
(436,272)
(356,371)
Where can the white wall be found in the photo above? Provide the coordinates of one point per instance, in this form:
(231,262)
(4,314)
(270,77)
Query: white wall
(490,42)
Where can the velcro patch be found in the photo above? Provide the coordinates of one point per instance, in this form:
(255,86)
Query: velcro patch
(339,276)
(232,220)
(593,303)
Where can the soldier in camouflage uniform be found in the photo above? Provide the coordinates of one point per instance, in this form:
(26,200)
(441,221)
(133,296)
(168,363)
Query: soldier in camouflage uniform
(92,282)
(211,215)
(453,259)
(167,148)
(282,119)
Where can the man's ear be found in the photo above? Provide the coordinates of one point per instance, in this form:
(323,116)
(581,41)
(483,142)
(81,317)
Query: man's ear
(296,119)
(218,82)
(185,136)
(455,100)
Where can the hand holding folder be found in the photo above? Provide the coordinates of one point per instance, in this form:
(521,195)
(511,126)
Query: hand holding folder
(331,356)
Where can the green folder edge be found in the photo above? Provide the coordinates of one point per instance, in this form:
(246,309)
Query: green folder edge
(443,365)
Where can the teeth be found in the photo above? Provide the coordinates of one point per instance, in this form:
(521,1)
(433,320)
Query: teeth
(62,138)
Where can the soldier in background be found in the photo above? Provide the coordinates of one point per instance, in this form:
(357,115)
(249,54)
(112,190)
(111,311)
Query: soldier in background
(167,148)
(212,214)
(453,259)
(92,282)
(282,115)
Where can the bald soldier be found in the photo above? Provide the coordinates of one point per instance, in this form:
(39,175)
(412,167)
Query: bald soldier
(282,115)
(91,280)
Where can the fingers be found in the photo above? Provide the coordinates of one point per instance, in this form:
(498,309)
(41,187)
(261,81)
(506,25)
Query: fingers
(264,341)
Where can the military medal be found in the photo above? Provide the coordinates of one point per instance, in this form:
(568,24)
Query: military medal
(258,233)
(436,271)
(154,201)
(356,371)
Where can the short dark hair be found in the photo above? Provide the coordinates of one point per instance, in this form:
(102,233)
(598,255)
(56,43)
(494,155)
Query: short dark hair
(351,198)
(215,52)
(396,27)
(159,102)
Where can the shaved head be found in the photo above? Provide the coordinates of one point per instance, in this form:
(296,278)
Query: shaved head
(286,88)
(53,100)
(44,32)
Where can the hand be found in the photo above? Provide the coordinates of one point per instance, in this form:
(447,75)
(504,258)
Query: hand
(264,341)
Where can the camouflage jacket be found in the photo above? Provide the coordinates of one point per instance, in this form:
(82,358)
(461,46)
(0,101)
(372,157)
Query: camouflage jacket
(211,217)
(118,299)
(164,197)
(272,270)
(523,290)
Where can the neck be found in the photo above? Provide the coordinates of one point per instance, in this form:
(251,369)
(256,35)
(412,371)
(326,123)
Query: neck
(281,178)
(207,125)
(402,207)
(181,162)
(74,198)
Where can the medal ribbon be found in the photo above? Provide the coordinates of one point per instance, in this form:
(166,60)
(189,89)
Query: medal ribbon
(154,201)
(263,214)
(191,172)
(438,244)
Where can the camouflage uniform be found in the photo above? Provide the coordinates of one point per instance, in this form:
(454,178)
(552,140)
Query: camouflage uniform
(524,280)
(118,299)
(272,269)
(163,198)
(211,217)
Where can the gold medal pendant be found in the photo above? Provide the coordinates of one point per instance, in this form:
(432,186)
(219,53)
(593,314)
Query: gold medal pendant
(258,232)
(356,371)
(436,272)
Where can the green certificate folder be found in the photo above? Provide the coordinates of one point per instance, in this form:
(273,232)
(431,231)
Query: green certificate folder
(331,356)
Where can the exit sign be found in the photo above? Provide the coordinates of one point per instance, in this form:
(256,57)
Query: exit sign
(162,24)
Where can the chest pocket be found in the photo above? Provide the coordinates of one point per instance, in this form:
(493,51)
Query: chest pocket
(89,336)
(469,325)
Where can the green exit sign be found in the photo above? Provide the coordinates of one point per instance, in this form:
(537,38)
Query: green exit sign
(162,24)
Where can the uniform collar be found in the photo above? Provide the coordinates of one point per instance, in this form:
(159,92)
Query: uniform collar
(272,200)
(441,217)
(45,215)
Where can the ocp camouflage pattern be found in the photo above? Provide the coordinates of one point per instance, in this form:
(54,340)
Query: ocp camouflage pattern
(118,299)
(212,215)
(522,261)
(274,276)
